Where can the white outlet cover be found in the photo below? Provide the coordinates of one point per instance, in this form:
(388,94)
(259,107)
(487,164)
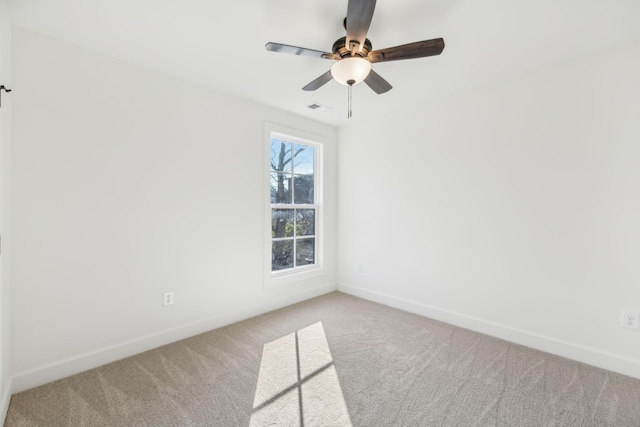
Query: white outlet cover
(168,298)
(630,319)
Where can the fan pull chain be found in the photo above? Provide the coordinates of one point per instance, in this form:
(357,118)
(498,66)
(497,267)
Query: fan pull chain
(349,101)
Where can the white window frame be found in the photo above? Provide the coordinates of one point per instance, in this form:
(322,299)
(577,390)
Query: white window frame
(288,276)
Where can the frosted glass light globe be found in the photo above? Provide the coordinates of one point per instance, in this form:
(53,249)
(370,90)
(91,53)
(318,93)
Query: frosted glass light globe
(352,68)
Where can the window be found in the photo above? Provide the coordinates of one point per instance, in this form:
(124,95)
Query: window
(294,205)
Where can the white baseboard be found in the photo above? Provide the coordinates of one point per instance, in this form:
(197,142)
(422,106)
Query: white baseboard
(591,356)
(63,368)
(4,403)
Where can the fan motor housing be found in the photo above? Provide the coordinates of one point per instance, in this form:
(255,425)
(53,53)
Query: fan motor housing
(340,48)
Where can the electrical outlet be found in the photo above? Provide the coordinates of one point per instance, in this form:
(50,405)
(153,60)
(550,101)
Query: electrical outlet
(360,268)
(630,319)
(168,298)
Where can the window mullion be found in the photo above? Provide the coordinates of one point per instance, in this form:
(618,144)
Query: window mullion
(295,233)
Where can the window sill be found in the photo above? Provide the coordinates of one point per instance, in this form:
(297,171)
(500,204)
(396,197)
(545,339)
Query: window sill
(274,280)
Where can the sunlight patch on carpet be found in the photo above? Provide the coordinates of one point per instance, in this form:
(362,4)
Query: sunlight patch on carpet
(298,384)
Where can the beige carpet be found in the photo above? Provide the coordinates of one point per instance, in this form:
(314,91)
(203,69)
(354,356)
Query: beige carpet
(336,360)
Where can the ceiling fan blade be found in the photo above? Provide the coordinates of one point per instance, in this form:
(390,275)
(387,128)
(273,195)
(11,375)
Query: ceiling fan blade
(359,15)
(377,83)
(408,51)
(302,51)
(319,82)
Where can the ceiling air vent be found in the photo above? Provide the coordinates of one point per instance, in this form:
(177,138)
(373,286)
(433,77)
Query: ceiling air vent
(318,107)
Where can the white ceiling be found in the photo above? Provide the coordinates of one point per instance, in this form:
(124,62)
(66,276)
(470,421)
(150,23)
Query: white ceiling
(220,44)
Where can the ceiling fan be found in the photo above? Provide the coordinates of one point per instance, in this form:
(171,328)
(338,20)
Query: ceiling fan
(354,54)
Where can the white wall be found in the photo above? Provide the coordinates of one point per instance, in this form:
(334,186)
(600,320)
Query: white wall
(513,209)
(5,209)
(129,183)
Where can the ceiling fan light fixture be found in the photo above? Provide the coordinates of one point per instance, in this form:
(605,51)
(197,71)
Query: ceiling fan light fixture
(351,71)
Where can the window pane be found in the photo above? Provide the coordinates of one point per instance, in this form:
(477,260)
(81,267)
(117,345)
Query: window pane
(305,252)
(280,188)
(305,222)
(303,159)
(281,255)
(280,156)
(303,189)
(281,223)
